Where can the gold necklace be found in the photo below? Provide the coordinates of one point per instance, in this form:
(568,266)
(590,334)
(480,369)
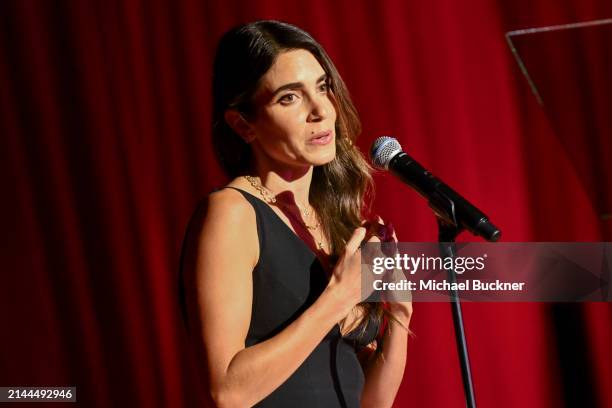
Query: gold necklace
(264,192)
(270,198)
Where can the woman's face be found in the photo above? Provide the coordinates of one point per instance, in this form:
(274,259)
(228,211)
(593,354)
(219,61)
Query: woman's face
(295,117)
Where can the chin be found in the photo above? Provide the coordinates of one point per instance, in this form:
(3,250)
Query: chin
(323,157)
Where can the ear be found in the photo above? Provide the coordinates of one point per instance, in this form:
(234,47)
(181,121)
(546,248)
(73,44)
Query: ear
(239,124)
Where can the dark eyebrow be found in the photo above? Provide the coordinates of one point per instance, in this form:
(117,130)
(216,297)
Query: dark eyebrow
(295,85)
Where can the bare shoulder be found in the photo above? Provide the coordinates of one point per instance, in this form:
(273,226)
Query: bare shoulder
(230,223)
(229,204)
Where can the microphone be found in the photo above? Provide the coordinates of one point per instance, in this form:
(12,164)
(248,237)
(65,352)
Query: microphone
(386,154)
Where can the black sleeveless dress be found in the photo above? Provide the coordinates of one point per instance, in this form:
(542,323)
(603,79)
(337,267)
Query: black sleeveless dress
(287,279)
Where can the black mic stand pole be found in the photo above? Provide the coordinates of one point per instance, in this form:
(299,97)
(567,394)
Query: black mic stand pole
(448,230)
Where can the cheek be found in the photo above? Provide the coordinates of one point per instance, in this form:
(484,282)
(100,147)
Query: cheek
(269,123)
(288,130)
(286,125)
(282,132)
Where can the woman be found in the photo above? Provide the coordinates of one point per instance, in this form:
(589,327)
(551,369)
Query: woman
(274,257)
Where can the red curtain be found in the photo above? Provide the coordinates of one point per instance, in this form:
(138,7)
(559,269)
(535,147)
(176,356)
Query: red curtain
(105,150)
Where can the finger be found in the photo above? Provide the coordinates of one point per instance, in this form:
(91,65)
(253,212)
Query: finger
(373,238)
(371,227)
(377,227)
(391,236)
(355,242)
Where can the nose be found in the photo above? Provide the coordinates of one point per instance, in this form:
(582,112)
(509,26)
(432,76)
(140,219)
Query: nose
(319,108)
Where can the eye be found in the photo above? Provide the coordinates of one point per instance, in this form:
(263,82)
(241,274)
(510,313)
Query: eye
(324,87)
(287,99)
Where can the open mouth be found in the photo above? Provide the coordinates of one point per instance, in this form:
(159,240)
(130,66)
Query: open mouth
(321,138)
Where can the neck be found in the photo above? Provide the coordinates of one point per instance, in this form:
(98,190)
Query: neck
(287,184)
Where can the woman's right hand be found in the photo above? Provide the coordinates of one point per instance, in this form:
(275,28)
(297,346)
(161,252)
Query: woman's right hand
(345,282)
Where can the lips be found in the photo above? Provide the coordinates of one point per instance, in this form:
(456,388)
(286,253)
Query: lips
(321,138)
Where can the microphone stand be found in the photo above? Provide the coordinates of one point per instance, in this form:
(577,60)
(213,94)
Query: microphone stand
(448,230)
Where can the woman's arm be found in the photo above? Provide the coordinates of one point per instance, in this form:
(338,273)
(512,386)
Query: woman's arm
(384,370)
(225,253)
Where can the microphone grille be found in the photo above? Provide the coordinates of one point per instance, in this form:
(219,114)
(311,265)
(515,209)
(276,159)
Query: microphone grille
(383,150)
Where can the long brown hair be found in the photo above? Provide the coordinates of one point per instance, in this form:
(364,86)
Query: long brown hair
(341,190)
